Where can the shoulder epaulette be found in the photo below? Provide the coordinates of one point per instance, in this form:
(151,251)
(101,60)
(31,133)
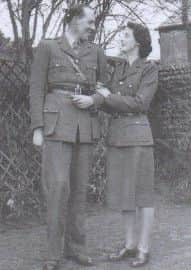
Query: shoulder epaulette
(150,61)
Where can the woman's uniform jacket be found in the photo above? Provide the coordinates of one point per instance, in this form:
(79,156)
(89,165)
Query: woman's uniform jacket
(130,164)
(133,88)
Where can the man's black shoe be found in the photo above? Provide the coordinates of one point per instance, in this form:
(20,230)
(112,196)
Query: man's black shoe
(51,265)
(81,259)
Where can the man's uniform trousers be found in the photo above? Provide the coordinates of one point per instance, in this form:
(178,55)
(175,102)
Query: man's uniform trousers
(65,174)
(69,136)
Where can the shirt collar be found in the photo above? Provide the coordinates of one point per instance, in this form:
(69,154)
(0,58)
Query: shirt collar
(70,38)
(138,62)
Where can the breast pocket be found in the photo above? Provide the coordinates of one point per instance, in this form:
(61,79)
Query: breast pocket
(132,84)
(57,68)
(59,65)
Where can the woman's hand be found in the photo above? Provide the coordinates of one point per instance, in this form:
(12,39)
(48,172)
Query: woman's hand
(103,91)
(38,137)
(82,101)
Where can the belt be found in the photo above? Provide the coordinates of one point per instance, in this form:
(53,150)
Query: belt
(118,115)
(63,92)
(68,91)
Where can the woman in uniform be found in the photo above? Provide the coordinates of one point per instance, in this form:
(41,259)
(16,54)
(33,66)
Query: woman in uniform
(130,164)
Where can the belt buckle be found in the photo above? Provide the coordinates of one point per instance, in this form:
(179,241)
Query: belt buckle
(78,90)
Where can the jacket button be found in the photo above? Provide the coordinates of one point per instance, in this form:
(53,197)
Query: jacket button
(130,85)
(76,61)
(121,83)
(57,65)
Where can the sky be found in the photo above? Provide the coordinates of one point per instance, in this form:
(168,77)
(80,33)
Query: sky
(151,18)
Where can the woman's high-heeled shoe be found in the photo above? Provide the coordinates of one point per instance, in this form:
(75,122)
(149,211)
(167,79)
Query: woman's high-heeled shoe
(141,259)
(124,253)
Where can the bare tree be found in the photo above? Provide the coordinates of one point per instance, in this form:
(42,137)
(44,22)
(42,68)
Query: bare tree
(24,16)
(27,15)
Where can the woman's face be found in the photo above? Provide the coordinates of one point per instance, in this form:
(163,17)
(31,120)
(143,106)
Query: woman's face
(127,41)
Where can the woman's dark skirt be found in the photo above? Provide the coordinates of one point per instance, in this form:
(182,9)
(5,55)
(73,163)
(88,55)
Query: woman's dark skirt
(130,177)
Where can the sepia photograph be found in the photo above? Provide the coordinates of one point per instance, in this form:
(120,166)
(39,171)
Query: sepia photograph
(95,134)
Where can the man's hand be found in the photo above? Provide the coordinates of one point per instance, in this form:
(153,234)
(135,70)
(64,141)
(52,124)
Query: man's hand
(82,101)
(38,138)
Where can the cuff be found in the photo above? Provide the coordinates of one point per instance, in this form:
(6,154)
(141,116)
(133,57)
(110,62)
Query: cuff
(98,100)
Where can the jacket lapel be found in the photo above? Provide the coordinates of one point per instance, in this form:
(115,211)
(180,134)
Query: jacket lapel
(85,48)
(120,71)
(65,46)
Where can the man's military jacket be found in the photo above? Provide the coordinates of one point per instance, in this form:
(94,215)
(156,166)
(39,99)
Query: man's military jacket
(52,69)
(133,88)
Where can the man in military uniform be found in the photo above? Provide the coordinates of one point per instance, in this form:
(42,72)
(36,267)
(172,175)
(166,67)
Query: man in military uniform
(63,111)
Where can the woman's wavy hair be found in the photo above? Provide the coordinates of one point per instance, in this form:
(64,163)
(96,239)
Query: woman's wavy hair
(74,11)
(142,37)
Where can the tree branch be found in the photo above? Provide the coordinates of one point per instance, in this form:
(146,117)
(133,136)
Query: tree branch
(35,24)
(54,5)
(13,22)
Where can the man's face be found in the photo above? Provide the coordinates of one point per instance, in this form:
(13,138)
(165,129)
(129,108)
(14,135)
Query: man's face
(85,26)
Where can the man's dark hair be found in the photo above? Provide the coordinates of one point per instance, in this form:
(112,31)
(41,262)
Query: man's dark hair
(74,11)
(142,37)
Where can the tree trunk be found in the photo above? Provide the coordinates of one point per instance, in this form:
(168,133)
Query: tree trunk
(14,26)
(26,40)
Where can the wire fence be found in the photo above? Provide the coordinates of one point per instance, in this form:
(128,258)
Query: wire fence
(20,161)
